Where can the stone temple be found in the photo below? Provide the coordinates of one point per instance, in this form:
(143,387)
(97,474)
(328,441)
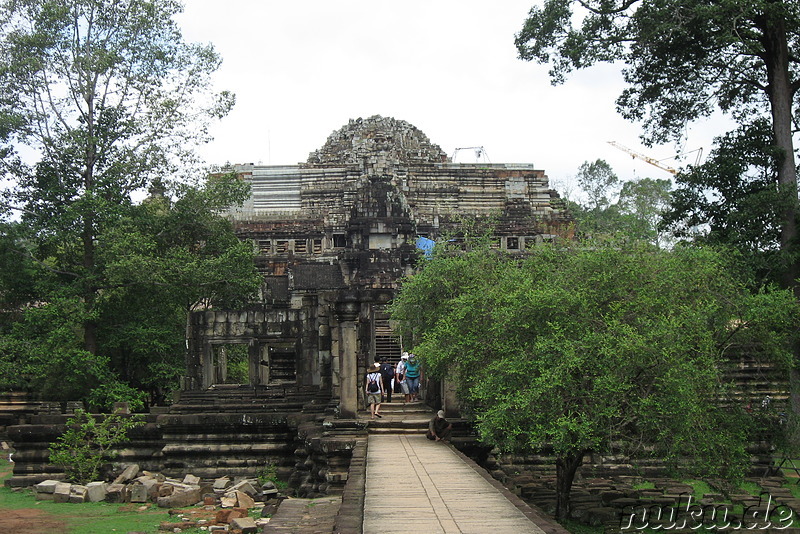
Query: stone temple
(335,236)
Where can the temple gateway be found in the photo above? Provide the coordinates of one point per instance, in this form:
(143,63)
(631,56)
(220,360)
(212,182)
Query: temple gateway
(335,236)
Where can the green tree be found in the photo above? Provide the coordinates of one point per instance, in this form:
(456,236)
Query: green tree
(596,348)
(732,200)
(108,96)
(168,255)
(616,209)
(683,60)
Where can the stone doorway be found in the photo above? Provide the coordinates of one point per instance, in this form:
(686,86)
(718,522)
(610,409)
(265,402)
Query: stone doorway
(230,363)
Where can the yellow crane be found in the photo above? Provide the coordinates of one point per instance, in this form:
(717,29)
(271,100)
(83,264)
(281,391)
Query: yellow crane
(648,159)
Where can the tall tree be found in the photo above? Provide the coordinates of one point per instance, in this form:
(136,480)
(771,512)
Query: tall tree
(683,60)
(108,96)
(596,348)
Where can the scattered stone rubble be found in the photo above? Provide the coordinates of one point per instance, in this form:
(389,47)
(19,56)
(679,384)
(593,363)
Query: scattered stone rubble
(225,503)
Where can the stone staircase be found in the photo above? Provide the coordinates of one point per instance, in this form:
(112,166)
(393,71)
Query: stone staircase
(236,398)
(399,418)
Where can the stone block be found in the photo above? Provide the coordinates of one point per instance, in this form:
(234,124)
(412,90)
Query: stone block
(165,490)
(61,492)
(225,516)
(129,473)
(115,493)
(138,493)
(46,486)
(181,498)
(246,524)
(77,494)
(227,501)
(96,491)
(43,496)
(191,480)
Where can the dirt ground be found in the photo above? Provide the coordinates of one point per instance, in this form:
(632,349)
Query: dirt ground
(30,521)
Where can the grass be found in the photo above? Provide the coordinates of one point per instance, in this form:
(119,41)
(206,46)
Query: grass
(86,518)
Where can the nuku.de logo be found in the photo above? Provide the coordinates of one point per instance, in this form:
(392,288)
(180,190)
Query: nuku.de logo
(690,514)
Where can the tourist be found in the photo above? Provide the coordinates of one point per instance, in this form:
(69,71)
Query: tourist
(387,374)
(373,388)
(439,428)
(413,372)
(400,377)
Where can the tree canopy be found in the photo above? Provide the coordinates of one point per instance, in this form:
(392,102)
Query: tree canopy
(684,59)
(104,100)
(584,348)
(619,210)
(107,96)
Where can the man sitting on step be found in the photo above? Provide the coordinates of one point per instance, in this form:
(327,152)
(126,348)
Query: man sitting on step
(439,428)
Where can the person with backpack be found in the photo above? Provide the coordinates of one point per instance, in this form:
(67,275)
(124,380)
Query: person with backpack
(373,388)
(387,374)
(413,373)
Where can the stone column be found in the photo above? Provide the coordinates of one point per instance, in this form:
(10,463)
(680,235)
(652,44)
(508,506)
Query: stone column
(324,354)
(347,313)
(449,399)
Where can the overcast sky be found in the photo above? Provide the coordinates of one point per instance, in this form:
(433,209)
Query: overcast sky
(302,69)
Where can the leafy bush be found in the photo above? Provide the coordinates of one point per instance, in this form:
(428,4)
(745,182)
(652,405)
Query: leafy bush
(87,444)
(104,396)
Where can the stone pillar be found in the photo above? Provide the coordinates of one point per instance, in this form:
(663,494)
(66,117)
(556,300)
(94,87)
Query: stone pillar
(324,355)
(449,399)
(347,312)
(308,365)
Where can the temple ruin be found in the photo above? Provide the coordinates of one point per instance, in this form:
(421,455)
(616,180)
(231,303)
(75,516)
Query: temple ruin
(334,237)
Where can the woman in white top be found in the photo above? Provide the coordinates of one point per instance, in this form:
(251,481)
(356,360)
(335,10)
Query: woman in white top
(373,388)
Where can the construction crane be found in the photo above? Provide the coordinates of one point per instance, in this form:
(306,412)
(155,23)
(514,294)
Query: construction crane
(648,159)
(479,151)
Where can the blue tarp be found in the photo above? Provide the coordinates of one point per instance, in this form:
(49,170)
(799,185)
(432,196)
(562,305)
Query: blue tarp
(425,245)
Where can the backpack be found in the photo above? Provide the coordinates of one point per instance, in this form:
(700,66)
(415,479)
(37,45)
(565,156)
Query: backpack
(373,386)
(387,371)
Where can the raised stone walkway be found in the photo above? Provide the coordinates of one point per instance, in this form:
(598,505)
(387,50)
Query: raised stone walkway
(417,485)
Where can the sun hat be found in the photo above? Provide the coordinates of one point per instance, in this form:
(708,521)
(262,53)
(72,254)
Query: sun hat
(404,356)
(375,367)
(440,414)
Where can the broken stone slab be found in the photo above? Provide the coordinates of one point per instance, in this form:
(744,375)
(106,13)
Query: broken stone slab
(227,515)
(222,483)
(191,480)
(243,500)
(227,501)
(129,473)
(246,524)
(246,487)
(96,491)
(61,492)
(46,486)
(77,494)
(181,498)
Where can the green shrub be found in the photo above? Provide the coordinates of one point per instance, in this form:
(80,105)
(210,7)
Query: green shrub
(87,444)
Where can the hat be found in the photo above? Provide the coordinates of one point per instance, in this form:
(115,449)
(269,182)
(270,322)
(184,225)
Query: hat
(404,356)
(440,414)
(375,367)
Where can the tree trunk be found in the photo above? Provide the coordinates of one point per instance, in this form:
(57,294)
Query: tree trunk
(566,467)
(781,94)
(779,90)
